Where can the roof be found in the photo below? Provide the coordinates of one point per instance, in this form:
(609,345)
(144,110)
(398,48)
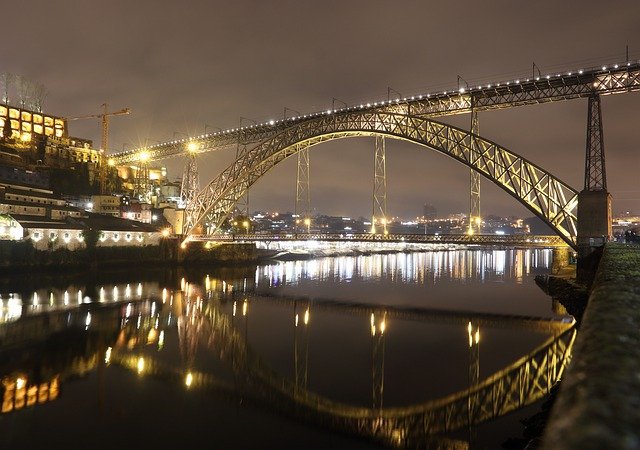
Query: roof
(93,221)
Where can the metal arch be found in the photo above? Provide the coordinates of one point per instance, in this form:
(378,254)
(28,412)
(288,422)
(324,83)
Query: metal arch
(552,200)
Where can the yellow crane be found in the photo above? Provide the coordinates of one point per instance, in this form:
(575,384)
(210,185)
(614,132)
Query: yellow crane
(105,137)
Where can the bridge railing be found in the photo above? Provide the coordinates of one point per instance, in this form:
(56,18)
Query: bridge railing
(462,239)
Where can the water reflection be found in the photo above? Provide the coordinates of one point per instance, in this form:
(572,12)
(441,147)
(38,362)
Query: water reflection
(418,268)
(14,305)
(371,369)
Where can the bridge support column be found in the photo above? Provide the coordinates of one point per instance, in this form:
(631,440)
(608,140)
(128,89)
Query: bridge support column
(190,183)
(142,187)
(475,221)
(242,205)
(594,202)
(303,191)
(379,213)
(560,259)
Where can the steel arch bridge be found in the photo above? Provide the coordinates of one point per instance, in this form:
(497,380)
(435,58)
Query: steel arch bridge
(548,197)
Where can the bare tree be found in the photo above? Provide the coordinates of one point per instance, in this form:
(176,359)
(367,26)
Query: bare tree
(40,92)
(6,79)
(25,91)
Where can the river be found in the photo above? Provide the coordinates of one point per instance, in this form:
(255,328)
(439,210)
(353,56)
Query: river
(245,357)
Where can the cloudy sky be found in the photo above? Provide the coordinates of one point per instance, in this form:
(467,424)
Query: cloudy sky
(185,65)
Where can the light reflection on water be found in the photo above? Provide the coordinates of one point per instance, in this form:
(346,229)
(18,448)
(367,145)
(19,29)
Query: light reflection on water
(420,268)
(345,351)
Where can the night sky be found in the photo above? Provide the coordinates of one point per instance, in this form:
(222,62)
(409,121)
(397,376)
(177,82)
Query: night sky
(184,65)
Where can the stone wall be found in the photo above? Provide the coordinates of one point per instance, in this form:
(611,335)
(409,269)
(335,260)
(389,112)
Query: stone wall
(599,402)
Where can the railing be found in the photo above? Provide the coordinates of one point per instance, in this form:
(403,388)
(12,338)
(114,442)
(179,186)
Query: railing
(460,239)
(609,79)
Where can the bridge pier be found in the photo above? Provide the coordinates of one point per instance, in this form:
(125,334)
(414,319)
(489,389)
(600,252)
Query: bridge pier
(594,202)
(594,220)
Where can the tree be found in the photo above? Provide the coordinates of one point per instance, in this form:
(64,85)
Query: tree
(6,130)
(91,237)
(39,92)
(7,80)
(24,90)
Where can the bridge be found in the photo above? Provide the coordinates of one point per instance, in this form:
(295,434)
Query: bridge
(259,147)
(432,239)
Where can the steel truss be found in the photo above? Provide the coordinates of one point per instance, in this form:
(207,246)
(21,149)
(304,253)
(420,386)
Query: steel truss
(190,182)
(595,177)
(242,205)
(524,382)
(516,240)
(612,80)
(475,220)
(142,184)
(379,208)
(303,191)
(554,201)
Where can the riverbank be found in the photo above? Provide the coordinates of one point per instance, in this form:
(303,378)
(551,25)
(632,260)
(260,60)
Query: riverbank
(19,257)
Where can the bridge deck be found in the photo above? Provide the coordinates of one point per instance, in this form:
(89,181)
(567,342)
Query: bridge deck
(610,79)
(458,239)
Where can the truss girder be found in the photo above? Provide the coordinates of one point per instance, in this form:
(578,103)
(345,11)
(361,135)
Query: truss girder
(524,382)
(475,220)
(437,239)
(303,188)
(379,203)
(613,80)
(595,175)
(554,201)
(190,184)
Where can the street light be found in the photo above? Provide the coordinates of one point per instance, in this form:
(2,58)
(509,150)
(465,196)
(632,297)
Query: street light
(192,147)
(245,224)
(307,222)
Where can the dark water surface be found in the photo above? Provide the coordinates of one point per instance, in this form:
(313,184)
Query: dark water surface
(202,357)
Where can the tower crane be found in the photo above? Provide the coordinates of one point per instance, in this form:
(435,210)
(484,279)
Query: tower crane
(105,137)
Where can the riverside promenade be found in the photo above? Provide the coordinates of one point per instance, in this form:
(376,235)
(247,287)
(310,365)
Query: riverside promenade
(599,402)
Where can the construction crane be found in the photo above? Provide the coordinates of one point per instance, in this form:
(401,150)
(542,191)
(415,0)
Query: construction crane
(105,138)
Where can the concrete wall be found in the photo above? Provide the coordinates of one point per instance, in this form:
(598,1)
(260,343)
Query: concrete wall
(599,402)
(52,239)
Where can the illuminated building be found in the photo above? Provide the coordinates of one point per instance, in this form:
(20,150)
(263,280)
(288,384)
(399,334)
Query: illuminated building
(25,124)
(49,222)
(40,142)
